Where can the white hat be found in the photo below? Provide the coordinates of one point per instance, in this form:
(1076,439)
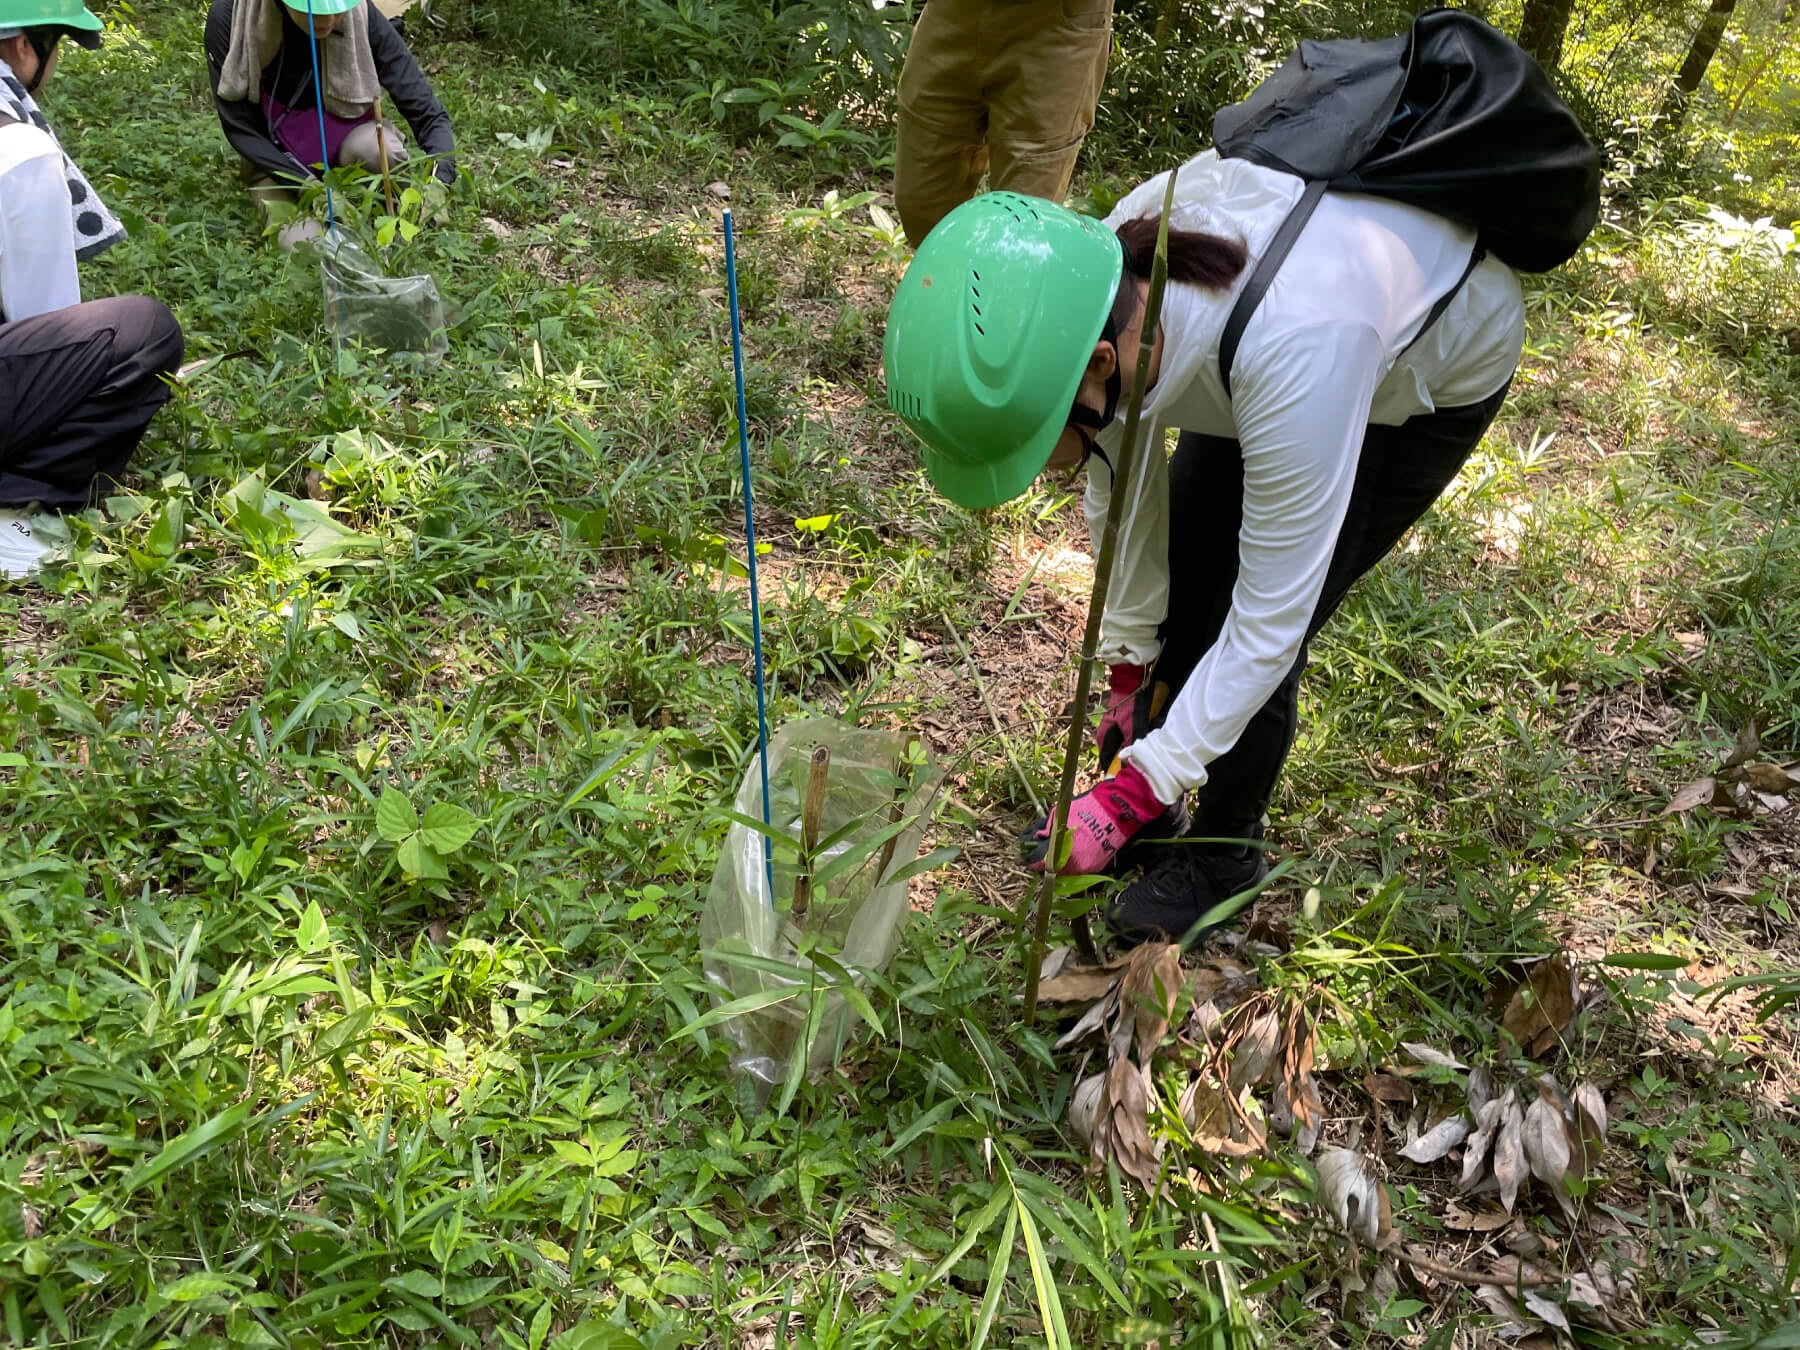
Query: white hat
(24,543)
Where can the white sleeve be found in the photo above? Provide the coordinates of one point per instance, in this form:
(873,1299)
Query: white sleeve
(37,237)
(1302,407)
(1138,598)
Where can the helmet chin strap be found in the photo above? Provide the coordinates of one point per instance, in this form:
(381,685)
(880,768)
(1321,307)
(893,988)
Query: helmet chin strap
(43,42)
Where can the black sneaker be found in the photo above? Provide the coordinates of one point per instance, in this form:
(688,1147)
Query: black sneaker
(1143,849)
(1186,881)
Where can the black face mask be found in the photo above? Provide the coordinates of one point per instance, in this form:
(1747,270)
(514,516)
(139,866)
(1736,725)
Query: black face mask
(1085,420)
(44,42)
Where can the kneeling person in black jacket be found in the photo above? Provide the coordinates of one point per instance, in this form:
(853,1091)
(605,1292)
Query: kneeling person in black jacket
(264,87)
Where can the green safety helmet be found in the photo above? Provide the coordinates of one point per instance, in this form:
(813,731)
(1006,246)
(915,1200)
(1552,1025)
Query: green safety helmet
(70,16)
(989,335)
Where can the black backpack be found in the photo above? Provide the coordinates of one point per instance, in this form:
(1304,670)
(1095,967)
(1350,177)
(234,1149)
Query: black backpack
(1453,117)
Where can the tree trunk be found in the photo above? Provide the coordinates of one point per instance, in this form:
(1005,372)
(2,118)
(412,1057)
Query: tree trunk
(1542,28)
(1699,57)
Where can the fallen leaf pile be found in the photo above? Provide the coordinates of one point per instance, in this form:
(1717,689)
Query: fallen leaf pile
(1742,785)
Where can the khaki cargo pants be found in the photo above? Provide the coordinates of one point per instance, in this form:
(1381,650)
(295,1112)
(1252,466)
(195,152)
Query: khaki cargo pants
(1006,87)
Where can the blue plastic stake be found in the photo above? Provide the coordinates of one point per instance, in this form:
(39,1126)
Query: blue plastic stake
(762,704)
(312,40)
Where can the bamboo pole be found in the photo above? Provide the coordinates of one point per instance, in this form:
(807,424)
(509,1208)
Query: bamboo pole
(812,812)
(1090,641)
(387,182)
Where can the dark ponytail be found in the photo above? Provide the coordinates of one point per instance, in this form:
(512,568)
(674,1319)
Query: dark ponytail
(1195,258)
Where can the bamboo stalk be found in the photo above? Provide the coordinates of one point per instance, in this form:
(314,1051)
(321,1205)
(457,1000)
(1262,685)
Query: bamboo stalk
(387,183)
(897,811)
(1090,641)
(812,812)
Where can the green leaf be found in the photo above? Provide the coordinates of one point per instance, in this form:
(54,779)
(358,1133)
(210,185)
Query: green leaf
(185,1148)
(395,817)
(998,1264)
(938,857)
(1043,1280)
(447,827)
(596,1336)
(314,933)
(762,998)
(418,860)
(420,1282)
(571,1152)
(1646,961)
(347,624)
(814,524)
(201,1284)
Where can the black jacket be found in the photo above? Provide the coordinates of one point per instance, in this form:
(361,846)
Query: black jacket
(289,78)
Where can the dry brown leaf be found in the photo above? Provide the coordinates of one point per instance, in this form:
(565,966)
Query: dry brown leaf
(1217,1126)
(1771,778)
(1223,982)
(1541,1007)
(1547,1153)
(1436,1142)
(1481,1089)
(1475,1151)
(1552,1315)
(1092,1022)
(1084,1105)
(1201,1021)
(1151,985)
(1309,1114)
(1389,1088)
(1122,1133)
(1697,793)
(1460,1220)
(1509,1150)
(1500,1303)
(1590,1125)
(1078,984)
(1281,1111)
(1426,1054)
(1350,1193)
(1253,1055)
(1056,960)
(1748,743)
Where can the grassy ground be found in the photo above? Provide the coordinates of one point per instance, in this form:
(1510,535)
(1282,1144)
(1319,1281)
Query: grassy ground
(267,1079)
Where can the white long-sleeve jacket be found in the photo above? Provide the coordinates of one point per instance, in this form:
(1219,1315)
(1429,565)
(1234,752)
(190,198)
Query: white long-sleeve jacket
(37,240)
(1319,360)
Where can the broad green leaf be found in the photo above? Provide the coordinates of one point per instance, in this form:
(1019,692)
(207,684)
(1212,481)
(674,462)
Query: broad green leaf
(571,1152)
(448,827)
(938,857)
(314,933)
(420,1282)
(1043,1280)
(417,859)
(185,1148)
(596,1336)
(395,817)
(201,1284)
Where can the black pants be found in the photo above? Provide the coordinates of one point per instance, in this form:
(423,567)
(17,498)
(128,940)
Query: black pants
(1401,472)
(80,385)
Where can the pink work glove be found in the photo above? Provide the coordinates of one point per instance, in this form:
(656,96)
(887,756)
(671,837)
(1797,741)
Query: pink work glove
(1101,821)
(1118,718)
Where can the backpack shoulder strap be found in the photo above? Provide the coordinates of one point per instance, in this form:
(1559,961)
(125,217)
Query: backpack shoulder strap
(1266,268)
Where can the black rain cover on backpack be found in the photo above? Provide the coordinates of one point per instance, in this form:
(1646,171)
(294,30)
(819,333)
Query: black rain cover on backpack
(1453,117)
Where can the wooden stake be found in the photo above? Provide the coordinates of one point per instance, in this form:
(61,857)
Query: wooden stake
(387,183)
(812,812)
(1090,641)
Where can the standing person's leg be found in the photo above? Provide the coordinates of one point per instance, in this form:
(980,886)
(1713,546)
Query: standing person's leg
(1050,69)
(1401,472)
(941,153)
(81,385)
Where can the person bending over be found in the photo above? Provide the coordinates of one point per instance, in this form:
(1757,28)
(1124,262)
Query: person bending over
(1007,348)
(261,63)
(79,382)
